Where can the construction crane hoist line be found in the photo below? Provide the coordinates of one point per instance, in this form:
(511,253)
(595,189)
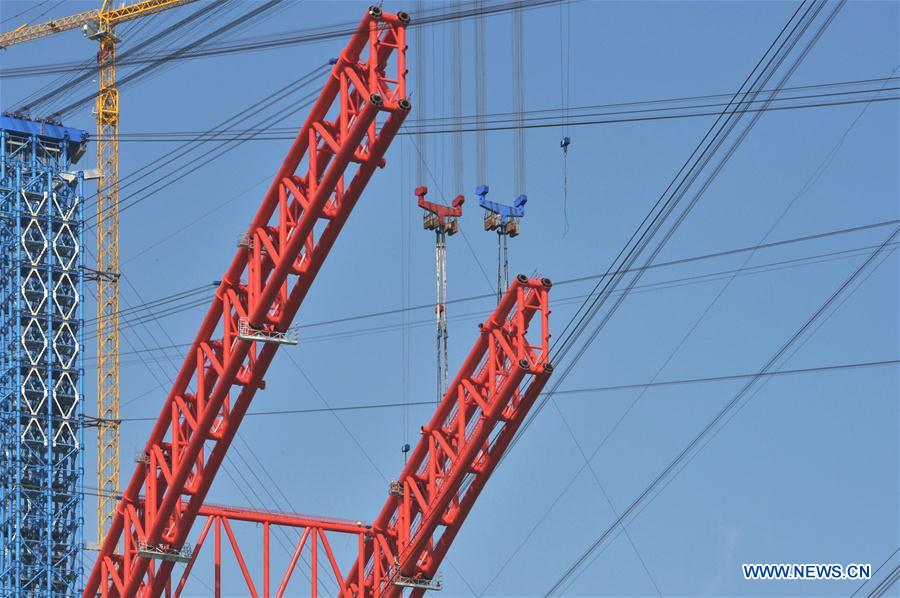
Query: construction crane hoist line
(443,220)
(504,220)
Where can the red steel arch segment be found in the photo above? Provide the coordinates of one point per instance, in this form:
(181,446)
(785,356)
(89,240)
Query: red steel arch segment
(458,451)
(340,145)
(459,448)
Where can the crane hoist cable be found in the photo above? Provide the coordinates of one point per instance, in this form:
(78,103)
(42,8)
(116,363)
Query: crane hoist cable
(518,99)
(565,94)
(504,220)
(457,93)
(420,95)
(443,221)
(480,90)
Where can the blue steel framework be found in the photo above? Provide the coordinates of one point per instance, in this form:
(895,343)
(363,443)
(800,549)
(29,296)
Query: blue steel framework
(41,328)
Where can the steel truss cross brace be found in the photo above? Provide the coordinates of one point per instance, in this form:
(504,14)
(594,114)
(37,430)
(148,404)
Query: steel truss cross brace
(315,540)
(342,142)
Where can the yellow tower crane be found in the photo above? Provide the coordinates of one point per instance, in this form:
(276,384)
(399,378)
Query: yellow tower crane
(99,24)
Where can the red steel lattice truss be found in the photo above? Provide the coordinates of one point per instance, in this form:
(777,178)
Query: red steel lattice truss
(456,454)
(336,152)
(314,537)
(340,145)
(460,447)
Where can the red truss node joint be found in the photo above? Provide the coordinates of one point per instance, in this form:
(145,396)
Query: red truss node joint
(340,145)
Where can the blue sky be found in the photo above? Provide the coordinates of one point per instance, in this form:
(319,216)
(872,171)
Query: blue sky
(807,471)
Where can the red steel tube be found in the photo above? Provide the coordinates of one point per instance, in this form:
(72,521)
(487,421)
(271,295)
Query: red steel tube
(283,519)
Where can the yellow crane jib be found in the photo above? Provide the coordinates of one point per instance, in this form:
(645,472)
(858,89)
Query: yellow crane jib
(93,22)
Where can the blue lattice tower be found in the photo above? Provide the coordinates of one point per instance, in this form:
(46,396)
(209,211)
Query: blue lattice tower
(41,324)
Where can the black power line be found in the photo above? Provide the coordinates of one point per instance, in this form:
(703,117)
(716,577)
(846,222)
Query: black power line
(874,573)
(549,117)
(886,584)
(711,425)
(282,536)
(34,6)
(210,135)
(806,186)
(187,167)
(725,124)
(138,314)
(173,55)
(711,142)
(687,175)
(307,36)
(91,68)
(571,391)
(650,287)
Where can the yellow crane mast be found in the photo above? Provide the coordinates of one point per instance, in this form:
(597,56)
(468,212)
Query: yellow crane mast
(99,24)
